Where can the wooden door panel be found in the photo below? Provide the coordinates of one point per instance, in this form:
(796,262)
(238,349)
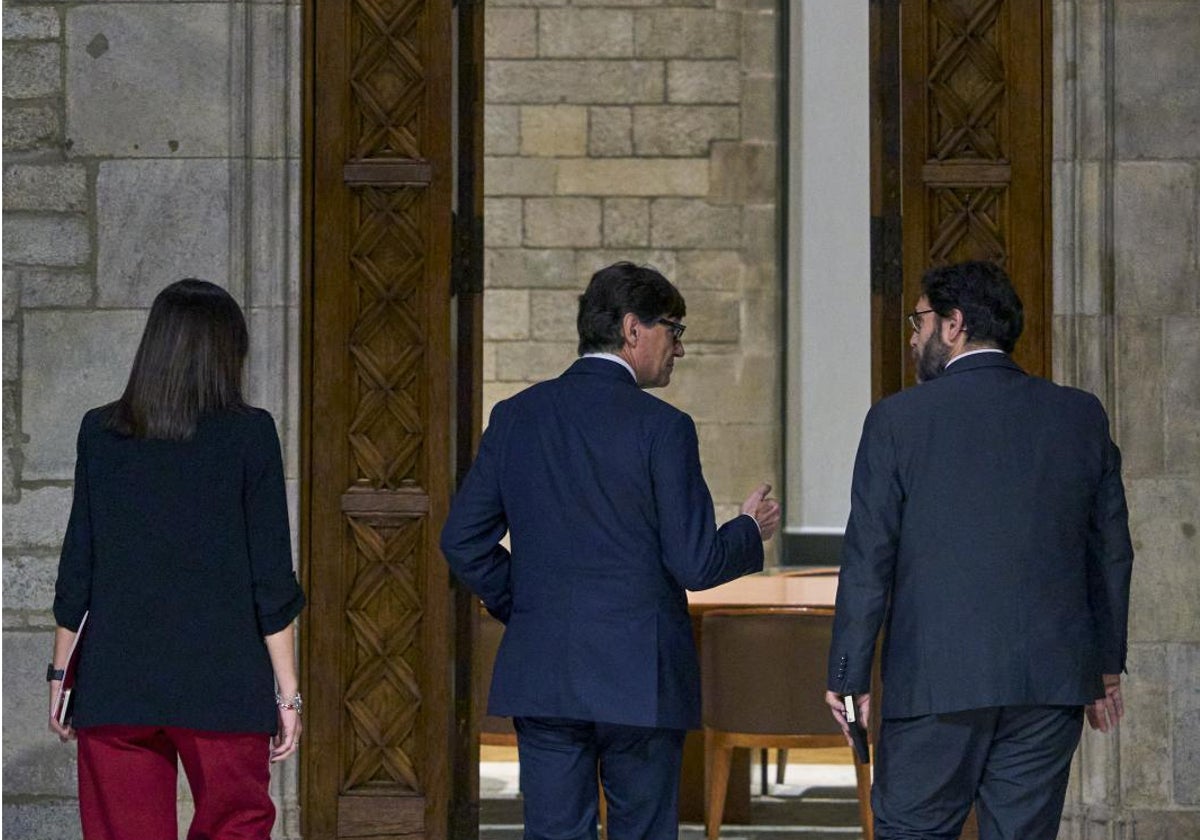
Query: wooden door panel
(973,159)
(378,461)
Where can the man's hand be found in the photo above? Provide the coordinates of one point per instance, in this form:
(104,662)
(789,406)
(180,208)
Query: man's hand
(861,701)
(1104,713)
(765,511)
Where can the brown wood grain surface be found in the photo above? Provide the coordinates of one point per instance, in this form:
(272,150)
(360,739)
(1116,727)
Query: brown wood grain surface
(377,456)
(973,160)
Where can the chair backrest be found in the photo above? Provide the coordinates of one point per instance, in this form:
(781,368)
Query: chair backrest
(763,670)
(491,632)
(814,571)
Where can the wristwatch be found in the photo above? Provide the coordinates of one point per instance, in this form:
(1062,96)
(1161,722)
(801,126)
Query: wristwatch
(53,673)
(296,702)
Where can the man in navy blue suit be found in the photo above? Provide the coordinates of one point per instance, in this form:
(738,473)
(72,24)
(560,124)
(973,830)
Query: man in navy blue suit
(599,486)
(988,529)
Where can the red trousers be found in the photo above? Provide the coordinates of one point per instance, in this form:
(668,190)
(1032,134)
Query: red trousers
(128,778)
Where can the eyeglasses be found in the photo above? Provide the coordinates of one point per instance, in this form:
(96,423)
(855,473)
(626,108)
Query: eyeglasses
(914,318)
(675,327)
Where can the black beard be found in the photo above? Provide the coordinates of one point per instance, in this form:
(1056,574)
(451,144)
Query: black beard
(932,361)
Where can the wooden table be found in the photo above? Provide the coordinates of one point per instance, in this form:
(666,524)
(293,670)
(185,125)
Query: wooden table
(812,588)
(815,589)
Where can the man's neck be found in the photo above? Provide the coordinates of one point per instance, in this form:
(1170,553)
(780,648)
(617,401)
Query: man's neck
(971,350)
(613,357)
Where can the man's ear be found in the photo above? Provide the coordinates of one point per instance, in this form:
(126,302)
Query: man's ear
(630,328)
(953,326)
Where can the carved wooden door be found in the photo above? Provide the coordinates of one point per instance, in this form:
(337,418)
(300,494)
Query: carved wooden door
(967,138)
(383,753)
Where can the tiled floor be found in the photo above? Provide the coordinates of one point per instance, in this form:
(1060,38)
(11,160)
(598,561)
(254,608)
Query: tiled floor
(816,802)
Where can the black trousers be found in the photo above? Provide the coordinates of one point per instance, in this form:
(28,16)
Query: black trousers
(1011,762)
(639,767)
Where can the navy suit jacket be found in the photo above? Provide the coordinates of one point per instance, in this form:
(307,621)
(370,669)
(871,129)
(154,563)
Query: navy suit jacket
(988,523)
(599,485)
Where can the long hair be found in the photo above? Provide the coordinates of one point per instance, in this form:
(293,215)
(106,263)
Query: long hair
(189,363)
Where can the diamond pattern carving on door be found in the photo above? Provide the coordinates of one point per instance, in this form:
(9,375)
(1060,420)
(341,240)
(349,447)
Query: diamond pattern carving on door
(383,697)
(967,224)
(386,435)
(387,342)
(389,740)
(387,78)
(967,80)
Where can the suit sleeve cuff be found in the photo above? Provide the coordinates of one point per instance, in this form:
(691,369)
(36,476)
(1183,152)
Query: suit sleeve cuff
(755,521)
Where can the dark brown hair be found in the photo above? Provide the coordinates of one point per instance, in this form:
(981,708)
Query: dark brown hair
(991,308)
(189,363)
(623,287)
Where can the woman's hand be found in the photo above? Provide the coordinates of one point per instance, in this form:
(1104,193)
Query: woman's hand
(64,641)
(281,647)
(287,737)
(64,733)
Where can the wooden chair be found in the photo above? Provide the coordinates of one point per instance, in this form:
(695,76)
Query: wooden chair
(781,755)
(813,571)
(499,731)
(763,673)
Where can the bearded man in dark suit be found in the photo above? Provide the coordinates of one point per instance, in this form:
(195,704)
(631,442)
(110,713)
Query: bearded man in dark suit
(599,485)
(988,530)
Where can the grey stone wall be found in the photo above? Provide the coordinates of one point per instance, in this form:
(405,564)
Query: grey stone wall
(643,130)
(143,142)
(1127,326)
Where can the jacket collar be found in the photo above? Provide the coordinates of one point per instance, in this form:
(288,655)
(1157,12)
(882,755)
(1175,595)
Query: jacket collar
(983,360)
(600,367)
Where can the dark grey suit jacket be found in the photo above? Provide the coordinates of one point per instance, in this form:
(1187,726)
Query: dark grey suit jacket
(988,527)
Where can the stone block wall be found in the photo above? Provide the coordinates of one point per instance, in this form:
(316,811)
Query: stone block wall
(1127,326)
(143,143)
(644,130)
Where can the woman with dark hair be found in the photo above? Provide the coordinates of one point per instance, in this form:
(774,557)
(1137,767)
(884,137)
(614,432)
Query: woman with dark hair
(178,551)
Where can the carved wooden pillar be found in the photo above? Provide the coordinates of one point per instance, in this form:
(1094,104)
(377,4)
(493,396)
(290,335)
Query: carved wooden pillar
(377,453)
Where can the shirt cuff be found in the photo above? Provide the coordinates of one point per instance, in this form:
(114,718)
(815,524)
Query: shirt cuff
(277,620)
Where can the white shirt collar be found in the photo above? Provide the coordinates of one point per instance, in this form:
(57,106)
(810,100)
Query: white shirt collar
(612,357)
(974,352)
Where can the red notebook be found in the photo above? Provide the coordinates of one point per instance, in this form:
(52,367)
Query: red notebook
(63,703)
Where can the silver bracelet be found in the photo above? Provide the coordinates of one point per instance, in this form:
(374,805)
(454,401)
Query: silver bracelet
(295,703)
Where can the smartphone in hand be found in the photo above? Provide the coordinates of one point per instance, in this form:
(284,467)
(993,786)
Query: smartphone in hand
(857,733)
